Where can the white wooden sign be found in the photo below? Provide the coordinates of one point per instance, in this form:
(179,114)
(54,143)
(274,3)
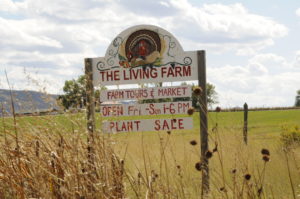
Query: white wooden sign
(146,93)
(144,54)
(145,109)
(147,125)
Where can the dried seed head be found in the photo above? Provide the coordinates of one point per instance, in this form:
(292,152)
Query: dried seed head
(265,152)
(193,142)
(197,90)
(247,176)
(53,154)
(259,191)
(208,154)
(139,175)
(216,147)
(218,109)
(178,167)
(223,189)
(233,171)
(169,132)
(190,111)
(266,158)
(198,166)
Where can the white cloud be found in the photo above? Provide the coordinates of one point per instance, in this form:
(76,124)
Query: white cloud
(262,82)
(8,6)
(224,27)
(297,60)
(51,39)
(77,23)
(298,12)
(15,36)
(232,20)
(164,3)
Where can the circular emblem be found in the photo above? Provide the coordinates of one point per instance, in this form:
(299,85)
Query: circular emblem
(141,44)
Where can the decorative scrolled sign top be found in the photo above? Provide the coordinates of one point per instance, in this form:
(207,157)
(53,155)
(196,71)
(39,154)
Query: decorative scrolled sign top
(144,54)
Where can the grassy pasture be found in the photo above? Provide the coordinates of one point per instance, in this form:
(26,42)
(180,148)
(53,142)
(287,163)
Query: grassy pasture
(162,165)
(165,153)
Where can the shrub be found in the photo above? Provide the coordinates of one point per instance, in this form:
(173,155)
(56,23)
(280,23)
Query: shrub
(290,136)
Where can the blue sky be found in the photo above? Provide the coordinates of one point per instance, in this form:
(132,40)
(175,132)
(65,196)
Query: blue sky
(252,47)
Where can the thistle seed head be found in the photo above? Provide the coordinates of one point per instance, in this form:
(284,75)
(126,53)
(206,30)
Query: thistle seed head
(197,91)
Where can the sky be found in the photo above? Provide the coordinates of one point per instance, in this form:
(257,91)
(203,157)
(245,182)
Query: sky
(252,47)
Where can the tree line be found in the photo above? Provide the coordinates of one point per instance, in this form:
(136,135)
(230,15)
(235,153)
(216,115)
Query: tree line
(297,101)
(75,95)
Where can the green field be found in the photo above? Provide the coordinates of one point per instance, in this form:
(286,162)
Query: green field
(161,164)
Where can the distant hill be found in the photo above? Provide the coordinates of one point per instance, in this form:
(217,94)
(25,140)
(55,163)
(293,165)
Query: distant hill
(27,101)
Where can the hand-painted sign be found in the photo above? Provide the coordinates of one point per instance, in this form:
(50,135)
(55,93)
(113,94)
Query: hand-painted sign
(147,125)
(144,54)
(146,93)
(145,109)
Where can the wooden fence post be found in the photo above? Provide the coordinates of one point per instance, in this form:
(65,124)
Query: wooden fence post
(245,129)
(203,123)
(90,108)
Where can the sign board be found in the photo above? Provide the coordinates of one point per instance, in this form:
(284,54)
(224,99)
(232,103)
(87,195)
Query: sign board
(147,54)
(166,108)
(144,54)
(147,125)
(146,93)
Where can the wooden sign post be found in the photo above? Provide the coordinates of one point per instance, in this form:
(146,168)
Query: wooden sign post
(148,54)
(245,129)
(203,123)
(90,108)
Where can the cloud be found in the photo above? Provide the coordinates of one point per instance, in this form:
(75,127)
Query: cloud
(297,60)
(267,80)
(74,24)
(17,36)
(50,39)
(8,6)
(226,27)
(298,12)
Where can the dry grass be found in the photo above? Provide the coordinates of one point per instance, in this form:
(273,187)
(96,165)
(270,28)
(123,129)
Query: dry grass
(173,159)
(49,159)
(53,163)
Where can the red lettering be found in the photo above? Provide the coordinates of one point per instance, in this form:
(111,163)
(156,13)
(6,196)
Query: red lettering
(109,75)
(165,125)
(170,72)
(111,125)
(153,73)
(124,127)
(172,110)
(178,71)
(129,126)
(102,75)
(125,76)
(157,125)
(135,73)
(116,75)
(137,125)
(151,109)
(163,71)
(180,123)
(187,71)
